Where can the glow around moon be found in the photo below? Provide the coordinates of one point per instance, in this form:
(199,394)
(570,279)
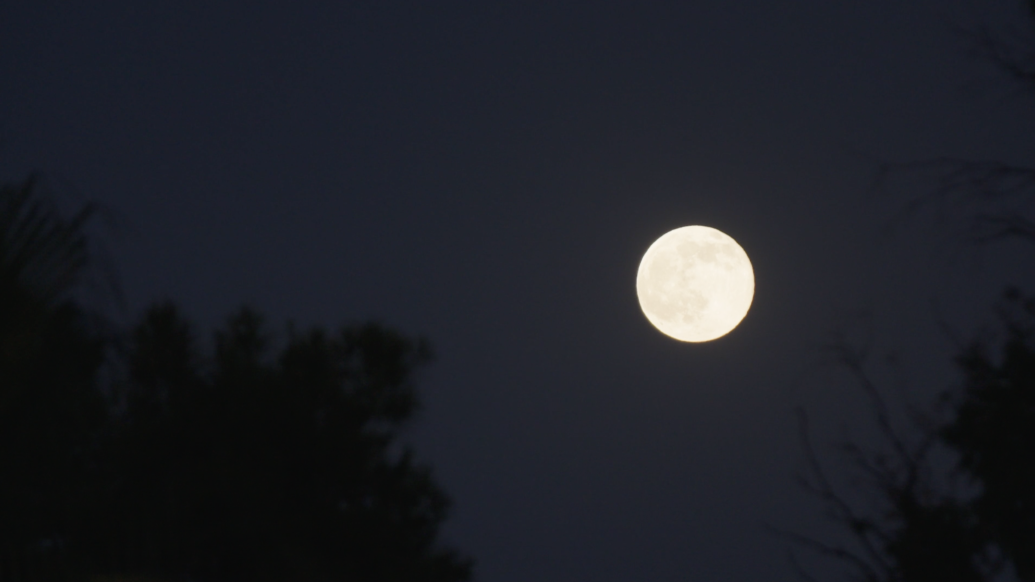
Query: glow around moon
(695,284)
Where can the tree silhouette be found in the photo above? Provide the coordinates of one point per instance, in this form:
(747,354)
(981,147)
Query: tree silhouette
(42,256)
(973,521)
(246,464)
(50,408)
(274,470)
(994,434)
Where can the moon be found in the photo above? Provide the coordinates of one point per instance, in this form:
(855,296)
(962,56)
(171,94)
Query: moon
(695,284)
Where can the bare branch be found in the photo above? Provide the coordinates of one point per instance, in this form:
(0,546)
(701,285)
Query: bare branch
(990,228)
(872,465)
(860,527)
(853,360)
(869,572)
(798,569)
(998,195)
(1008,57)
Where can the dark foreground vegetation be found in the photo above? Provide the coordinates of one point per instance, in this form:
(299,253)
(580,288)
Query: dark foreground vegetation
(952,491)
(133,454)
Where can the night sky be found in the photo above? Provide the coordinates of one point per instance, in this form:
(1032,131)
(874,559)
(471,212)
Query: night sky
(489,174)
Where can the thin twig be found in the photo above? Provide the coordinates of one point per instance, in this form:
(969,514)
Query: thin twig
(860,527)
(837,552)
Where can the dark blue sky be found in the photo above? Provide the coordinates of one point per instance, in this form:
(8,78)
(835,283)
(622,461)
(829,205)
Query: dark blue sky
(489,174)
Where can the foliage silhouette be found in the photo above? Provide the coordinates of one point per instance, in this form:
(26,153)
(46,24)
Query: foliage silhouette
(248,464)
(50,409)
(275,470)
(994,435)
(42,257)
(973,521)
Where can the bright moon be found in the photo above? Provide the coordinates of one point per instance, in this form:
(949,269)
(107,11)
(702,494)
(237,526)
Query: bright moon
(695,284)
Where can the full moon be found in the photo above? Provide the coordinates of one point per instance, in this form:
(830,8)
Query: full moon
(695,284)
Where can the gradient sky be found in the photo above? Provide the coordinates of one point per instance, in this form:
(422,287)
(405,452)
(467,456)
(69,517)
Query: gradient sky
(490,173)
